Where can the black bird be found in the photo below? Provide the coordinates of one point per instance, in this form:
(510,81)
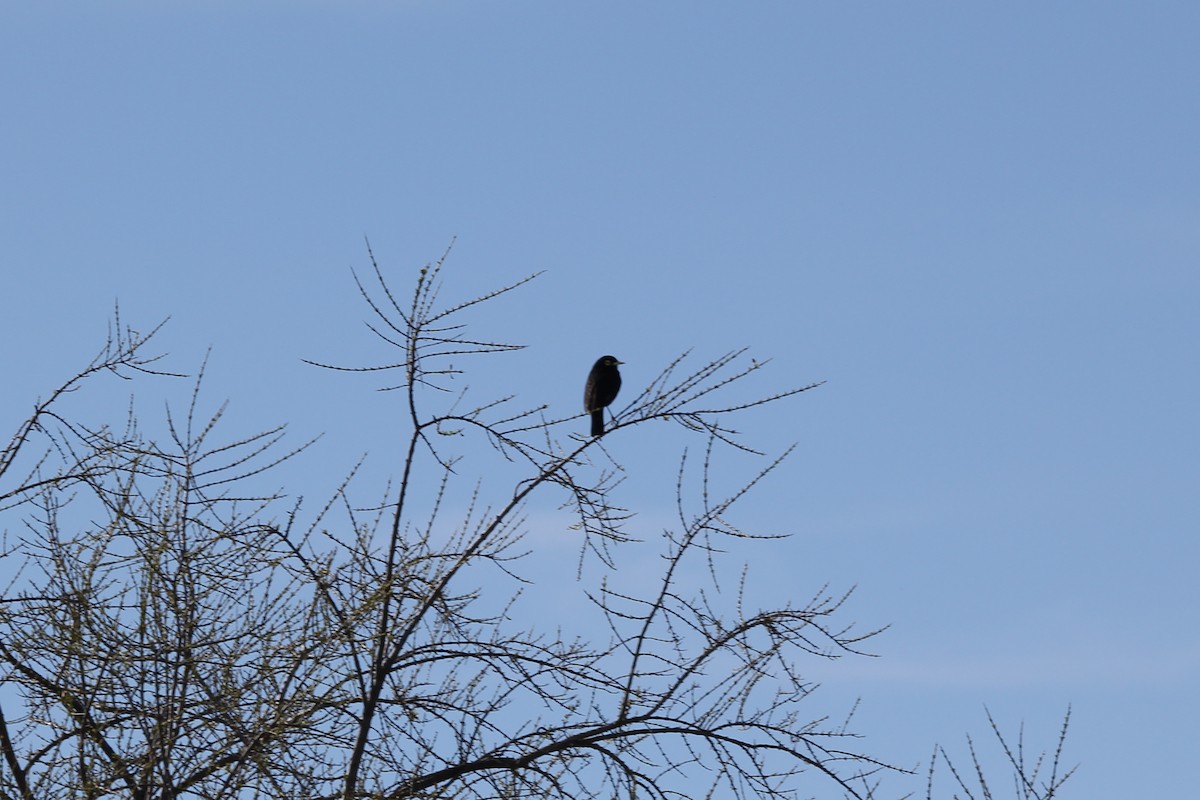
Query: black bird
(603,383)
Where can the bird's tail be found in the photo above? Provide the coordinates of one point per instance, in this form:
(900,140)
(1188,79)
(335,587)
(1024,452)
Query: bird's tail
(598,422)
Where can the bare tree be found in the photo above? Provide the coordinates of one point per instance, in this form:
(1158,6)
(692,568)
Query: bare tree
(1037,776)
(167,630)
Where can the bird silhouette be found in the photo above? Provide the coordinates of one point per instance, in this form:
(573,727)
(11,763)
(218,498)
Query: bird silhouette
(603,383)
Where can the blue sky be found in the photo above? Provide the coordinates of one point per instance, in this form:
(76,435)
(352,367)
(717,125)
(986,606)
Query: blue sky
(980,224)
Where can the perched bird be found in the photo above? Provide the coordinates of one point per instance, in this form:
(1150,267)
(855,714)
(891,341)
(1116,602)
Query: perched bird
(603,383)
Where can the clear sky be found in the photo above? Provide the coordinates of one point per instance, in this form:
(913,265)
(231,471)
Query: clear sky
(979,223)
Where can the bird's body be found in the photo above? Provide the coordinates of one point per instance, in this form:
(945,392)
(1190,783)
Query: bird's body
(603,383)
